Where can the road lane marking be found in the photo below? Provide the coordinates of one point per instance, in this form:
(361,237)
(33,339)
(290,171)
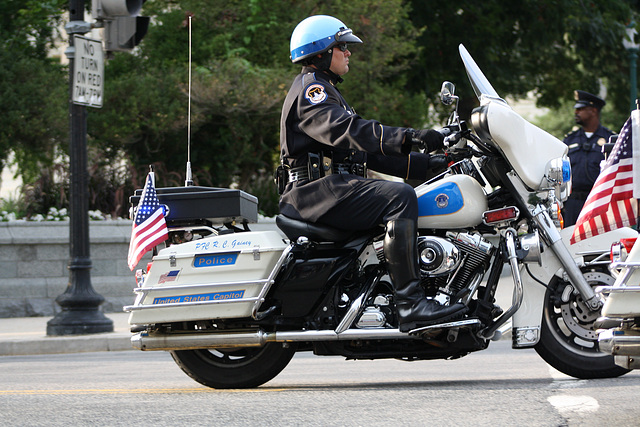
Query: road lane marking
(566,404)
(133,391)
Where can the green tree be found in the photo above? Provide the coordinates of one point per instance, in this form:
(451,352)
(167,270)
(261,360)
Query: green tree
(551,47)
(33,86)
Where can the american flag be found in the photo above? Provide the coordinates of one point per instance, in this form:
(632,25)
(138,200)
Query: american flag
(149,227)
(168,277)
(611,204)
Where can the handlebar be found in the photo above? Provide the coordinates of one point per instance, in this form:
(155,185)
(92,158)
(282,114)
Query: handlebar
(454,133)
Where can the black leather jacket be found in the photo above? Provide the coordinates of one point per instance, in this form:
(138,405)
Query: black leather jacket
(317,119)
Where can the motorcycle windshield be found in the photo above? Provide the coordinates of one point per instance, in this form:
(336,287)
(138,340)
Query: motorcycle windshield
(479,82)
(525,146)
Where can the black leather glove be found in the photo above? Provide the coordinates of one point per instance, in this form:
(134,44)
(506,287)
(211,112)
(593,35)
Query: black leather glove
(438,162)
(429,139)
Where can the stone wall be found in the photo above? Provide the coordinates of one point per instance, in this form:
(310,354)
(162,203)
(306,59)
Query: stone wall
(34,258)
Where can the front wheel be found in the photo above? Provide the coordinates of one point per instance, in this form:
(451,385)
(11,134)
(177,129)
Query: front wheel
(568,340)
(234,367)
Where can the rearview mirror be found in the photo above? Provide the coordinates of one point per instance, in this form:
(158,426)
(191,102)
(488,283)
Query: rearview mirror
(447,93)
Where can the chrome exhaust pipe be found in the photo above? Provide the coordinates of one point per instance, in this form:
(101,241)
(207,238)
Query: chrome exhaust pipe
(148,342)
(620,342)
(145,341)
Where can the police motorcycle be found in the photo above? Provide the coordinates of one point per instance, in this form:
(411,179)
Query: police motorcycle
(233,306)
(619,326)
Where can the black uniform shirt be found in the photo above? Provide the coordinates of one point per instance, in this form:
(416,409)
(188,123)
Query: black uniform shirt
(585,155)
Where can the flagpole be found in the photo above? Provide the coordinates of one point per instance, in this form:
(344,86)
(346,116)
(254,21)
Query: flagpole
(635,128)
(154,251)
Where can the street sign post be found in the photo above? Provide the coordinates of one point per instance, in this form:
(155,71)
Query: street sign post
(88,72)
(80,302)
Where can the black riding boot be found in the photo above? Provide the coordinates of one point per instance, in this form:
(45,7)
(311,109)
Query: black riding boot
(414,309)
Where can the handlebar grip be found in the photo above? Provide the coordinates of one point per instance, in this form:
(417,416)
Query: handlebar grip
(452,139)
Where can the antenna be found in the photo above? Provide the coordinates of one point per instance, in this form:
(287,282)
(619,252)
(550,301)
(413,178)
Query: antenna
(189,181)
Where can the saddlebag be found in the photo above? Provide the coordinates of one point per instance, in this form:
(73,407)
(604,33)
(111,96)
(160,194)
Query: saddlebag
(222,276)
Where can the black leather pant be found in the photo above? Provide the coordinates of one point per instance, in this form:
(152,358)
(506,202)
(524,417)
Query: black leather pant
(373,203)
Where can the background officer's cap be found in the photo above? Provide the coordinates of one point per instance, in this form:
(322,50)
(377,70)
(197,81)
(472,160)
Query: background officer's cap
(586,99)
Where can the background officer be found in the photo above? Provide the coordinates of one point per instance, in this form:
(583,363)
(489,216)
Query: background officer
(326,149)
(585,152)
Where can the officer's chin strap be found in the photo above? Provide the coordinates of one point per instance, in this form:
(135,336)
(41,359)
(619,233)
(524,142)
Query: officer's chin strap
(335,77)
(323,61)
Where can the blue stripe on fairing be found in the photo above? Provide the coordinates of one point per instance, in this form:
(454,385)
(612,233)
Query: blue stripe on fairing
(427,205)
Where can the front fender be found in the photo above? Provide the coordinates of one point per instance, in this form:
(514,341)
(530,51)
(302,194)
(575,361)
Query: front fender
(527,320)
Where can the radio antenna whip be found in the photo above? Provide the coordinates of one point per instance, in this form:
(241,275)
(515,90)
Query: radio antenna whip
(189,181)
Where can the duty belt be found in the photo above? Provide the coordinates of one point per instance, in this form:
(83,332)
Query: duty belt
(317,169)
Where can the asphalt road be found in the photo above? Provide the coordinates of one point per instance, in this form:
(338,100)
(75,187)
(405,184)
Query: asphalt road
(497,387)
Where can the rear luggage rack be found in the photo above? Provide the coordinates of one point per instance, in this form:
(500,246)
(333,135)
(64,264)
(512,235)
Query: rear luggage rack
(196,205)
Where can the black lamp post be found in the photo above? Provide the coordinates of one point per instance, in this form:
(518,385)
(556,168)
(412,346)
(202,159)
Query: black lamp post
(79,302)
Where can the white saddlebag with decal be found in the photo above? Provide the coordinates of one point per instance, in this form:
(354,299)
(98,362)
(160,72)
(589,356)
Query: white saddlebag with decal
(222,276)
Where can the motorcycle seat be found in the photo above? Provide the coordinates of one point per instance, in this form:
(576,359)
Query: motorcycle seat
(294,228)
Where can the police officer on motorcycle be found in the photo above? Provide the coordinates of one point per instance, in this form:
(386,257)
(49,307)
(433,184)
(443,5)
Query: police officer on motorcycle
(326,149)
(585,152)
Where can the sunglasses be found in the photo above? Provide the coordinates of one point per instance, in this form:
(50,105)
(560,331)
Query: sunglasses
(342,47)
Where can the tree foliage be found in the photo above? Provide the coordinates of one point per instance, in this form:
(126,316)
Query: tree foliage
(551,47)
(32,85)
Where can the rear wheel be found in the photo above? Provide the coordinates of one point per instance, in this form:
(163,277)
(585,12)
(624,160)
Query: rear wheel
(568,340)
(234,367)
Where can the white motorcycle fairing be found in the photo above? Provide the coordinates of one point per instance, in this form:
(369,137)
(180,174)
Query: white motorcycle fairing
(527,147)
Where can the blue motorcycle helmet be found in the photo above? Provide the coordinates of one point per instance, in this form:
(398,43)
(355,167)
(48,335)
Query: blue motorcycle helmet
(316,35)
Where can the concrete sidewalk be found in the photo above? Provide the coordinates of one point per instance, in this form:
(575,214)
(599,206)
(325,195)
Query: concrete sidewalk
(28,336)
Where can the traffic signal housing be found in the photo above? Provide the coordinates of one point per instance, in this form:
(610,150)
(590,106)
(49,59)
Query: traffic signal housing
(123,28)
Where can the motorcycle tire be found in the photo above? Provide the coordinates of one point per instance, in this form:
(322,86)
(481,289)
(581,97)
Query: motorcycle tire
(568,340)
(234,367)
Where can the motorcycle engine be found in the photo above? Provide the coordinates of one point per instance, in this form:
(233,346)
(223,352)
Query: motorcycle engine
(447,264)
(437,256)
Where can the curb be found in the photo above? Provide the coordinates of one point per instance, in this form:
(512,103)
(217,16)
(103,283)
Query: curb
(112,341)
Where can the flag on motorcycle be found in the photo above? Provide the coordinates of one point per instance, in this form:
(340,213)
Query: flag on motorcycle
(611,203)
(149,226)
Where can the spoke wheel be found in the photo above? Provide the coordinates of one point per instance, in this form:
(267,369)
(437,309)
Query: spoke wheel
(568,340)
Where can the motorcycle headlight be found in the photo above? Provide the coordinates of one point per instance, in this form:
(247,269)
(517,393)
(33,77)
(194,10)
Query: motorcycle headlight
(566,169)
(558,177)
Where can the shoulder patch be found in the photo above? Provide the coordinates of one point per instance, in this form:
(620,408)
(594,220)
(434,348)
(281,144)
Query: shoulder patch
(315,93)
